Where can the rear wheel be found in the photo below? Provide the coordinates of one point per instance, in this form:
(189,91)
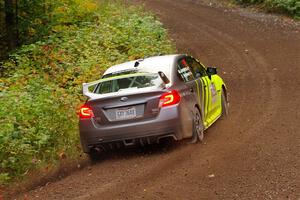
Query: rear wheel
(198,128)
(224,104)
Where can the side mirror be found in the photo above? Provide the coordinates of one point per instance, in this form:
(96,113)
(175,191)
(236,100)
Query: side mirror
(211,71)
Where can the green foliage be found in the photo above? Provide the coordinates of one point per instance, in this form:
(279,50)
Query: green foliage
(285,6)
(41,82)
(35,126)
(290,7)
(36,18)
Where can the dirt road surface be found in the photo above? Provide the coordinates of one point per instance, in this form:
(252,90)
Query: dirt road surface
(252,154)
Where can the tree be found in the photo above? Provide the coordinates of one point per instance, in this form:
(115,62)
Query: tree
(11,23)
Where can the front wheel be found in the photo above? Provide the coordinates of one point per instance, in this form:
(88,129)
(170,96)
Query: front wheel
(198,128)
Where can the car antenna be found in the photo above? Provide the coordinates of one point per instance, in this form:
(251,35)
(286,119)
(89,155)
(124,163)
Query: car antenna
(136,64)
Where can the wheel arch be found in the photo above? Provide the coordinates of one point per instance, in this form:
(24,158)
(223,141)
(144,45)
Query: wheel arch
(200,110)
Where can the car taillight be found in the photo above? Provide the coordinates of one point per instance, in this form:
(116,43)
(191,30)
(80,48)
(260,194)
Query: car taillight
(86,112)
(169,98)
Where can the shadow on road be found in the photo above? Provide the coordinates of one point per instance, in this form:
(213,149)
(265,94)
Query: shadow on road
(165,146)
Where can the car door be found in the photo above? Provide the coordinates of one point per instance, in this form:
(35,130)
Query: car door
(207,97)
(188,90)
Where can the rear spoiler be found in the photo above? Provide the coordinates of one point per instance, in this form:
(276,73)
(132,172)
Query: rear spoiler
(86,91)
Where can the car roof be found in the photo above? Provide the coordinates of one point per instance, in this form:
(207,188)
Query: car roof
(151,64)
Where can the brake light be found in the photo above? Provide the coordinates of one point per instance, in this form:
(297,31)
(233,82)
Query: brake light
(86,112)
(169,98)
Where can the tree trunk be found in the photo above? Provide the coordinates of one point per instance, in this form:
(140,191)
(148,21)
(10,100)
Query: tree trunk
(10,24)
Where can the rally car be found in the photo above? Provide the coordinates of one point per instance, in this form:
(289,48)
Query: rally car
(143,101)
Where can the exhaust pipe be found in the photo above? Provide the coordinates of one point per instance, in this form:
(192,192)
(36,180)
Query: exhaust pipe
(167,136)
(129,142)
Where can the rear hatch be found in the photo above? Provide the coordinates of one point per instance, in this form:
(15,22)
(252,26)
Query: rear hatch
(127,98)
(124,108)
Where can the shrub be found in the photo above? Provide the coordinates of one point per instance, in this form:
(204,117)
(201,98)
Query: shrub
(290,7)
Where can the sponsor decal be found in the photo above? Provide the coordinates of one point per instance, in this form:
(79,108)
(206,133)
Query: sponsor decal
(214,93)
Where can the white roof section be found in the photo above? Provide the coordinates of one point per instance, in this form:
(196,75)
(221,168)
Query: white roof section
(151,64)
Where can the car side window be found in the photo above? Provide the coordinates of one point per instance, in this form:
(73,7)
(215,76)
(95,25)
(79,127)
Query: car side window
(184,71)
(197,68)
(104,88)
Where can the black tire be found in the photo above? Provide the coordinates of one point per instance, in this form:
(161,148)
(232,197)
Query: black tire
(224,105)
(198,128)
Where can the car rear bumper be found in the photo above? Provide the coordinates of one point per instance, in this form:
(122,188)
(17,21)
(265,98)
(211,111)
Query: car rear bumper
(166,124)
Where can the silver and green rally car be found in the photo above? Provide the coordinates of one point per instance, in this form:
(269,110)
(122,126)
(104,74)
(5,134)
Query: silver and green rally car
(143,101)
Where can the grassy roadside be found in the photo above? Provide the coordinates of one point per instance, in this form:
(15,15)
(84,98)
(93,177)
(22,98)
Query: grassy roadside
(40,83)
(287,7)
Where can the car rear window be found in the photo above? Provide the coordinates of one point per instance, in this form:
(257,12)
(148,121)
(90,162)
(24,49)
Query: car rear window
(128,82)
